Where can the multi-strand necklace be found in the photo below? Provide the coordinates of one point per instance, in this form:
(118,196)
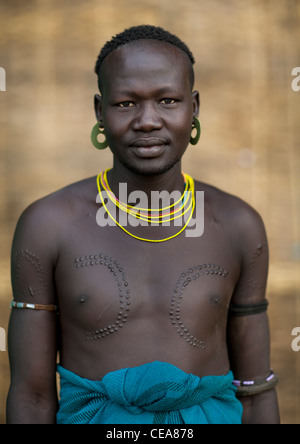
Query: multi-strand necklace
(185,204)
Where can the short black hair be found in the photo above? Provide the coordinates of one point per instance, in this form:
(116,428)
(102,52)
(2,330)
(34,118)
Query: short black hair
(143,32)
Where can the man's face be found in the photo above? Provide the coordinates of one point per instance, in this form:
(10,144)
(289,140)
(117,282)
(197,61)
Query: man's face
(147,106)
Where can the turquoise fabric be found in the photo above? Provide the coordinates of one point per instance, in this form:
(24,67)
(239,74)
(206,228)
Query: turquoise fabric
(154,393)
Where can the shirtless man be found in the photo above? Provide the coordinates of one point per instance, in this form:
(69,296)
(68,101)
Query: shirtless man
(196,303)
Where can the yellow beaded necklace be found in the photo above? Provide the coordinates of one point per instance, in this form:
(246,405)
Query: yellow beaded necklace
(181,206)
(187,201)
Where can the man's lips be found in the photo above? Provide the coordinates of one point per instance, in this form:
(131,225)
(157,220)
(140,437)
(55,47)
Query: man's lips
(148,142)
(149,147)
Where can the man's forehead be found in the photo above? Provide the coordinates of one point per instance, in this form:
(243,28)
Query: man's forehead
(145,55)
(154,55)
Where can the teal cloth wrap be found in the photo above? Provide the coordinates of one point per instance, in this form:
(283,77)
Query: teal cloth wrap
(154,393)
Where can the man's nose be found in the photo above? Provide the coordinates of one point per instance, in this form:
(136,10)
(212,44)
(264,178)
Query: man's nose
(147,118)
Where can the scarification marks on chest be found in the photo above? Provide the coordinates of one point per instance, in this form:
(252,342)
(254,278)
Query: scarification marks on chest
(185,279)
(117,271)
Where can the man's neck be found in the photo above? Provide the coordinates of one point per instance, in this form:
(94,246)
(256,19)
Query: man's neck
(169,181)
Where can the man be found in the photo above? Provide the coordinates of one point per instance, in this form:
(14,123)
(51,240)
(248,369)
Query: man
(153,321)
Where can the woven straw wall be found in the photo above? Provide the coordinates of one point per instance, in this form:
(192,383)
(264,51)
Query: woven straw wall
(245,54)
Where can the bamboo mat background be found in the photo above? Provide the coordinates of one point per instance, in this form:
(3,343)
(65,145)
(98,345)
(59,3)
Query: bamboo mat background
(245,54)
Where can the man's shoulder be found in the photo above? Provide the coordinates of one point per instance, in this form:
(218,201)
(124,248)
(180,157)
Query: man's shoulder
(59,205)
(230,208)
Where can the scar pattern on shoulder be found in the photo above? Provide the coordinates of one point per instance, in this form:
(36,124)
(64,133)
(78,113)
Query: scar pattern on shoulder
(119,274)
(25,257)
(189,276)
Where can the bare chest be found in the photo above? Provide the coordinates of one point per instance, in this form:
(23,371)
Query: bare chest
(104,285)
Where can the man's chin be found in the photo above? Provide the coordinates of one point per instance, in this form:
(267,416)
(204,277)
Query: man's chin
(149,168)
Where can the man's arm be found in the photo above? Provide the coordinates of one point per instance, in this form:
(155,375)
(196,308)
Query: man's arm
(248,335)
(32,340)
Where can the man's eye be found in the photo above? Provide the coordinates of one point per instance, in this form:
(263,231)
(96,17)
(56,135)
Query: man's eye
(168,101)
(126,104)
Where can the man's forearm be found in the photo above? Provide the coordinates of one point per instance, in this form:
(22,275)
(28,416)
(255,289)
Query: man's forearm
(261,409)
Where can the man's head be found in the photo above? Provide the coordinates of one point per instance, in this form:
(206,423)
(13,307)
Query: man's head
(146,105)
(144,32)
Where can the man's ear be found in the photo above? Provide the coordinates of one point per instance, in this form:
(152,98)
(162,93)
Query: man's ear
(98,107)
(196,103)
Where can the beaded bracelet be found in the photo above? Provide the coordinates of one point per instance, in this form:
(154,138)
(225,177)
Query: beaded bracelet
(25,305)
(250,388)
